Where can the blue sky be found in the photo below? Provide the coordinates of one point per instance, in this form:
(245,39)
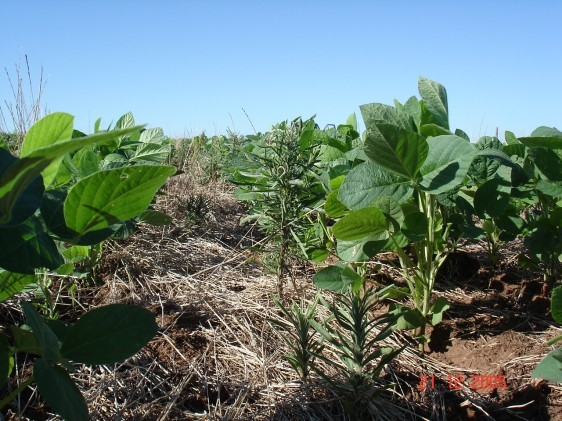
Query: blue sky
(193,66)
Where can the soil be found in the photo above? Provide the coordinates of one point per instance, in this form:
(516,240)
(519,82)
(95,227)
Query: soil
(216,355)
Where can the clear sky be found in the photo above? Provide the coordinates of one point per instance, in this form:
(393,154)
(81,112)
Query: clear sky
(193,66)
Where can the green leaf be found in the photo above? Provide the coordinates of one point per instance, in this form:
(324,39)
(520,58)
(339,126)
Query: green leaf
(333,207)
(359,250)
(360,224)
(434,97)
(447,163)
(548,162)
(374,114)
(30,198)
(511,139)
(59,391)
(432,130)
(12,283)
(15,180)
(550,368)
(460,133)
(398,150)
(126,121)
(415,226)
(52,211)
(27,246)
(437,309)
(86,161)
(556,304)
(492,197)
(25,341)
(544,131)
(109,334)
(542,142)
(336,278)
(112,196)
(413,107)
(151,152)
(47,340)
(156,218)
(390,207)
(48,130)
(550,188)
(408,319)
(369,181)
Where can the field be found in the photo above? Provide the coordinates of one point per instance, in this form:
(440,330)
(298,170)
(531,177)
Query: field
(305,273)
(217,357)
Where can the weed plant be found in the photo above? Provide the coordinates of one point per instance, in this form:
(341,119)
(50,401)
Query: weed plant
(277,177)
(26,107)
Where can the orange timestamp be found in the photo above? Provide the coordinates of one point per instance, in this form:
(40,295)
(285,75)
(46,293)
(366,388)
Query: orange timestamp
(475,382)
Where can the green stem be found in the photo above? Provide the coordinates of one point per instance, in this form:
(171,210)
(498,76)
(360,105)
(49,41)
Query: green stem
(16,392)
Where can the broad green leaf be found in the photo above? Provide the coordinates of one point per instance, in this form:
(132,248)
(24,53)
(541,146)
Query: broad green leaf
(333,207)
(318,255)
(544,131)
(482,167)
(511,139)
(153,135)
(374,114)
(151,152)
(59,328)
(432,130)
(548,162)
(359,250)
(550,368)
(19,175)
(408,318)
(368,181)
(50,129)
(460,133)
(153,217)
(59,391)
(330,153)
(25,340)
(12,283)
(415,226)
(86,161)
(447,163)
(112,196)
(434,97)
(497,155)
(550,188)
(352,121)
(492,198)
(336,278)
(398,150)
(390,207)
(556,304)
(542,142)
(27,246)
(359,224)
(109,334)
(515,149)
(29,200)
(46,339)
(437,309)
(52,211)
(413,107)
(126,121)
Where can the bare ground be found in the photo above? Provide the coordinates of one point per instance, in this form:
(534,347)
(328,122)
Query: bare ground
(216,356)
